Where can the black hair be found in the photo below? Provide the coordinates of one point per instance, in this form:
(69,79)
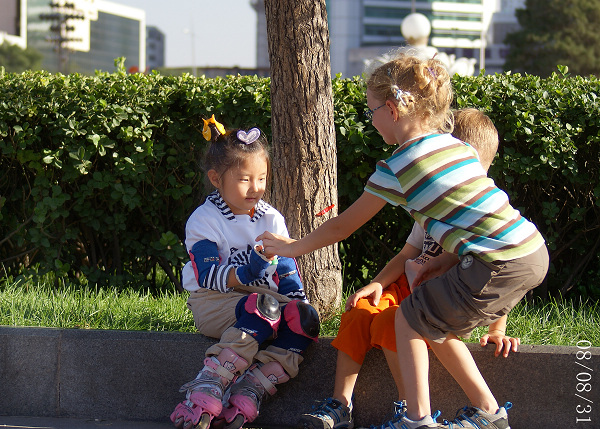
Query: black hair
(230,149)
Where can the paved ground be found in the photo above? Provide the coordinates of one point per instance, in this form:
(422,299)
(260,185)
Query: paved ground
(55,423)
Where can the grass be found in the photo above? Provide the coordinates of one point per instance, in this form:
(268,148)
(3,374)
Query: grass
(40,304)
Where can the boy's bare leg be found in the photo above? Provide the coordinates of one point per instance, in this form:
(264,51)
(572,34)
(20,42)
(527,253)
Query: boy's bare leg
(413,359)
(457,359)
(346,373)
(392,361)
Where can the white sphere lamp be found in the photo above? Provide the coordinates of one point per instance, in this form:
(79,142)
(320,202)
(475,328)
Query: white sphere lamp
(416,29)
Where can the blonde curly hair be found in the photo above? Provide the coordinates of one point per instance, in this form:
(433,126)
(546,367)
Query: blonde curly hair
(420,88)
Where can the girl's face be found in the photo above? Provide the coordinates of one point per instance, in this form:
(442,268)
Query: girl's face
(383,117)
(242,186)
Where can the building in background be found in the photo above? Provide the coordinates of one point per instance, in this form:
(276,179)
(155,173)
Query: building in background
(364,29)
(13,22)
(106,31)
(155,48)
(361,29)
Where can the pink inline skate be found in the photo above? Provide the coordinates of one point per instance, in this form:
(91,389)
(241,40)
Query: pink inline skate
(204,395)
(249,390)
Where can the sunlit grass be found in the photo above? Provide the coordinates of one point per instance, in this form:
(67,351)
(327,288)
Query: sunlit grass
(42,304)
(543,323)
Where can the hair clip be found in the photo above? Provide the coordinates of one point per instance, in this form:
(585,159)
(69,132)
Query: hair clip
(206,133)
(398,93)
(433,73)
(250,137)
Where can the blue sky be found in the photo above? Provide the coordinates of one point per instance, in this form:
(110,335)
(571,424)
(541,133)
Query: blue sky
(225,30)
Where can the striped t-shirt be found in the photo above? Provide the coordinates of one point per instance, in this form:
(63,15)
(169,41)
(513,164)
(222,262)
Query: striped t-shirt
(440,182)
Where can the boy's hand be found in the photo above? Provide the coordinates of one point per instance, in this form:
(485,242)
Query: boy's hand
(274,244)
(434,267)
(373,290)
(502,342)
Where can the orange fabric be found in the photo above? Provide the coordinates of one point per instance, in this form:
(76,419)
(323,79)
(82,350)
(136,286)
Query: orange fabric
(366,326)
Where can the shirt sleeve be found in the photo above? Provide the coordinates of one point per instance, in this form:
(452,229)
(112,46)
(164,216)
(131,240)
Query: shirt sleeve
(384,184)
(204,258)
(416,236)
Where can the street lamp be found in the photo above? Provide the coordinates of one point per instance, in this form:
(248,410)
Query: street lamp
(416,29)
(193,36)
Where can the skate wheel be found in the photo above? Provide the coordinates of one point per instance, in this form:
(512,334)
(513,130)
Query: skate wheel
(204,422)
(236,423)
(217,423)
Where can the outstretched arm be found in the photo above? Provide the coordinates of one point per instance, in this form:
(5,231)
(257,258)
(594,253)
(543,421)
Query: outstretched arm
(332,231)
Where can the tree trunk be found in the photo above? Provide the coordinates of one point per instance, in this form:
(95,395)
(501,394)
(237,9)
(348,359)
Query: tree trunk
(304,149)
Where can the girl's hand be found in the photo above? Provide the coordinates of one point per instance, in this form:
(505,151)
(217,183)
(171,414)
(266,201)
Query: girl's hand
(274,244)
(373,290)
(501,341)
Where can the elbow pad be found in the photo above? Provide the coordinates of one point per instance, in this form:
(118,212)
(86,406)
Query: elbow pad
(205,262)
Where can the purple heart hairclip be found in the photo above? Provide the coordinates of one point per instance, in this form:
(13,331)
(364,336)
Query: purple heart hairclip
(248,137)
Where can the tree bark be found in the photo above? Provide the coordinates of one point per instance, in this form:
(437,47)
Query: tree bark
(304,148)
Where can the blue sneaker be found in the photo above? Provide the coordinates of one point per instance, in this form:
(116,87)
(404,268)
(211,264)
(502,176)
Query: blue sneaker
(473,417)
(400,421)
(329,414)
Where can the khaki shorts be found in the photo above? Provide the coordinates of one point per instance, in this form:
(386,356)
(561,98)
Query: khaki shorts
(213,311)
(472,293)
(214,316)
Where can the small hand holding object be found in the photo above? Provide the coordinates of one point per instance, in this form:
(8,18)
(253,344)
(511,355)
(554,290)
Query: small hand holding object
(256,267)
(372,290)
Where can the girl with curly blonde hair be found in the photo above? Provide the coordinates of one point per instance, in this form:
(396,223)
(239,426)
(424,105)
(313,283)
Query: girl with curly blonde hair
(494,256)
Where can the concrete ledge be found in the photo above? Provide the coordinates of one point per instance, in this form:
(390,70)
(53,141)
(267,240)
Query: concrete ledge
(129,375)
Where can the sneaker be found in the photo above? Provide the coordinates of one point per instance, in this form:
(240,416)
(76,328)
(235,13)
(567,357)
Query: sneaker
(329,414)
(473,417)
(400,421)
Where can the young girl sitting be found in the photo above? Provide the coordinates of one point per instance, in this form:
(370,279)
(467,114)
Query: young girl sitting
(439,181)
(236,293)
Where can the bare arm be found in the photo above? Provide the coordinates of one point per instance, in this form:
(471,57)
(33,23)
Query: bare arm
(435,267)
(389,274)
(497,335)
(330,232)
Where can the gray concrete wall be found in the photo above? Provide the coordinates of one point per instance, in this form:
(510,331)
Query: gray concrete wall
(136,376)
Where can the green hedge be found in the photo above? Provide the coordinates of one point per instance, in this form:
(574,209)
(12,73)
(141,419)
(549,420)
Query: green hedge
(99,174)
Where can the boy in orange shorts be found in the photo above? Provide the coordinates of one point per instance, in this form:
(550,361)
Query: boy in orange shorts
(370,312)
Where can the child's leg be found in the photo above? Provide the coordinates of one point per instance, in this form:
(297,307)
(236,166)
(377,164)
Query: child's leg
(346,373)
(257,319)
(392,360)
(299,326)
(457,359)
(413,359)
(213,311)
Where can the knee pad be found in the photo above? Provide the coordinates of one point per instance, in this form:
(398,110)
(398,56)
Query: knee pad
(299,327)
(302,319)
(258,315)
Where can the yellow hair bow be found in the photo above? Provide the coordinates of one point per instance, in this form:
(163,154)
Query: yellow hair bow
(206,129)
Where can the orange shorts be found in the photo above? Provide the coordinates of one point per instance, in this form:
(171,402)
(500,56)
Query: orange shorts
(366,326)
